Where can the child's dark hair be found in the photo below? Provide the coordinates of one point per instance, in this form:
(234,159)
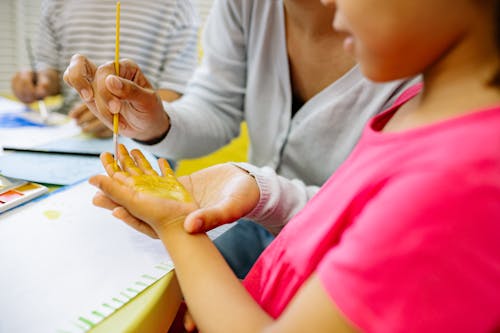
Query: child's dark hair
(496,79)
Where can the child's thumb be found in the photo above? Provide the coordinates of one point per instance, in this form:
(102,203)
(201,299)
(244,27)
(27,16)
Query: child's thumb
(203,220)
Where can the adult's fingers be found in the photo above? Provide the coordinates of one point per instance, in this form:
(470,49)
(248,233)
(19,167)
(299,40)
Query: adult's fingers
(96,128)
(43,84)
(81,113)
(131,71)
(23,87)
(103,133)
(124,90)
(106,103)
(89,122)
(79,75)
(129,85)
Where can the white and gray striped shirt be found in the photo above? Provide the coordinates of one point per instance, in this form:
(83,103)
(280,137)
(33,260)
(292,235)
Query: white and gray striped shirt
(160,36)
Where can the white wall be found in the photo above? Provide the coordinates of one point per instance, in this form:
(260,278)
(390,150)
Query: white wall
(18,20)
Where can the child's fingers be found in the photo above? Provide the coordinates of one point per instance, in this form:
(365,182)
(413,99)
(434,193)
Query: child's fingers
(114,188)
(189,324)
(122,214)
(165,168)
(127,163)
(108,161)
(101,200)
(124,179)
(142,162)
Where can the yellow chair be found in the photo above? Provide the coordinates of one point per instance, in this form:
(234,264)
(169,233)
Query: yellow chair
(235,151)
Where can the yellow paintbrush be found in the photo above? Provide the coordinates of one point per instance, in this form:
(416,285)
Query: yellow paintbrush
(117,70)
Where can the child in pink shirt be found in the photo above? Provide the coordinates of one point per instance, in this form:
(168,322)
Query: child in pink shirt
(404,237)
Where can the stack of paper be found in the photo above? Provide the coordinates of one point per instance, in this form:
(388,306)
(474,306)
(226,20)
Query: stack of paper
(53,154)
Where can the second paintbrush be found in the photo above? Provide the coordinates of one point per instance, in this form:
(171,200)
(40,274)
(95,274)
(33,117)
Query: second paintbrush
(44,111)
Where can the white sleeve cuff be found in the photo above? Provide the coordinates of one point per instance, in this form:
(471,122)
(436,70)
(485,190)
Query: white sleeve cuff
(280,198)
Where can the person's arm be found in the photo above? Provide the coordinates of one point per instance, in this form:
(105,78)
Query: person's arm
(47,55)
(207,117)
(90,124)
(47,83)
(181,57)
(217,300)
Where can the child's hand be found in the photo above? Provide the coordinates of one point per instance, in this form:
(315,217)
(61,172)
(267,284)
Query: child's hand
(224,193)
(215,196)
(139,196)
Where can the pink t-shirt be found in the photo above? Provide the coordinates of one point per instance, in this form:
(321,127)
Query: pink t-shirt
(405,236)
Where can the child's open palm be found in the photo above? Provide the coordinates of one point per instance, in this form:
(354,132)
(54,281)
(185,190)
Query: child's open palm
(140,196)
(149,202)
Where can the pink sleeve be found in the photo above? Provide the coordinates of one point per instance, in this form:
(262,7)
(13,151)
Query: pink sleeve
(423,256)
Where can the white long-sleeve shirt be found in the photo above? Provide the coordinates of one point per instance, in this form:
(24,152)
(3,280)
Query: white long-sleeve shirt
(245,76)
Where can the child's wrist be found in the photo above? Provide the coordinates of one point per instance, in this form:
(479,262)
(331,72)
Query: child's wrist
(172,225)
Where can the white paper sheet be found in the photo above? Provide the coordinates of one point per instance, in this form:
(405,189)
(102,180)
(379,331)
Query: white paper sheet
(62,169)
(65,264)
(29,136)
(62,258)
(58,169)
(10,106)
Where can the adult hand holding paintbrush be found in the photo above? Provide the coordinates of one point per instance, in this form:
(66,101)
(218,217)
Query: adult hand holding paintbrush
(142,116)
(119,88)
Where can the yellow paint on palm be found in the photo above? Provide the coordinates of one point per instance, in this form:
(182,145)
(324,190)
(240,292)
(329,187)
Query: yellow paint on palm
(163,187)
